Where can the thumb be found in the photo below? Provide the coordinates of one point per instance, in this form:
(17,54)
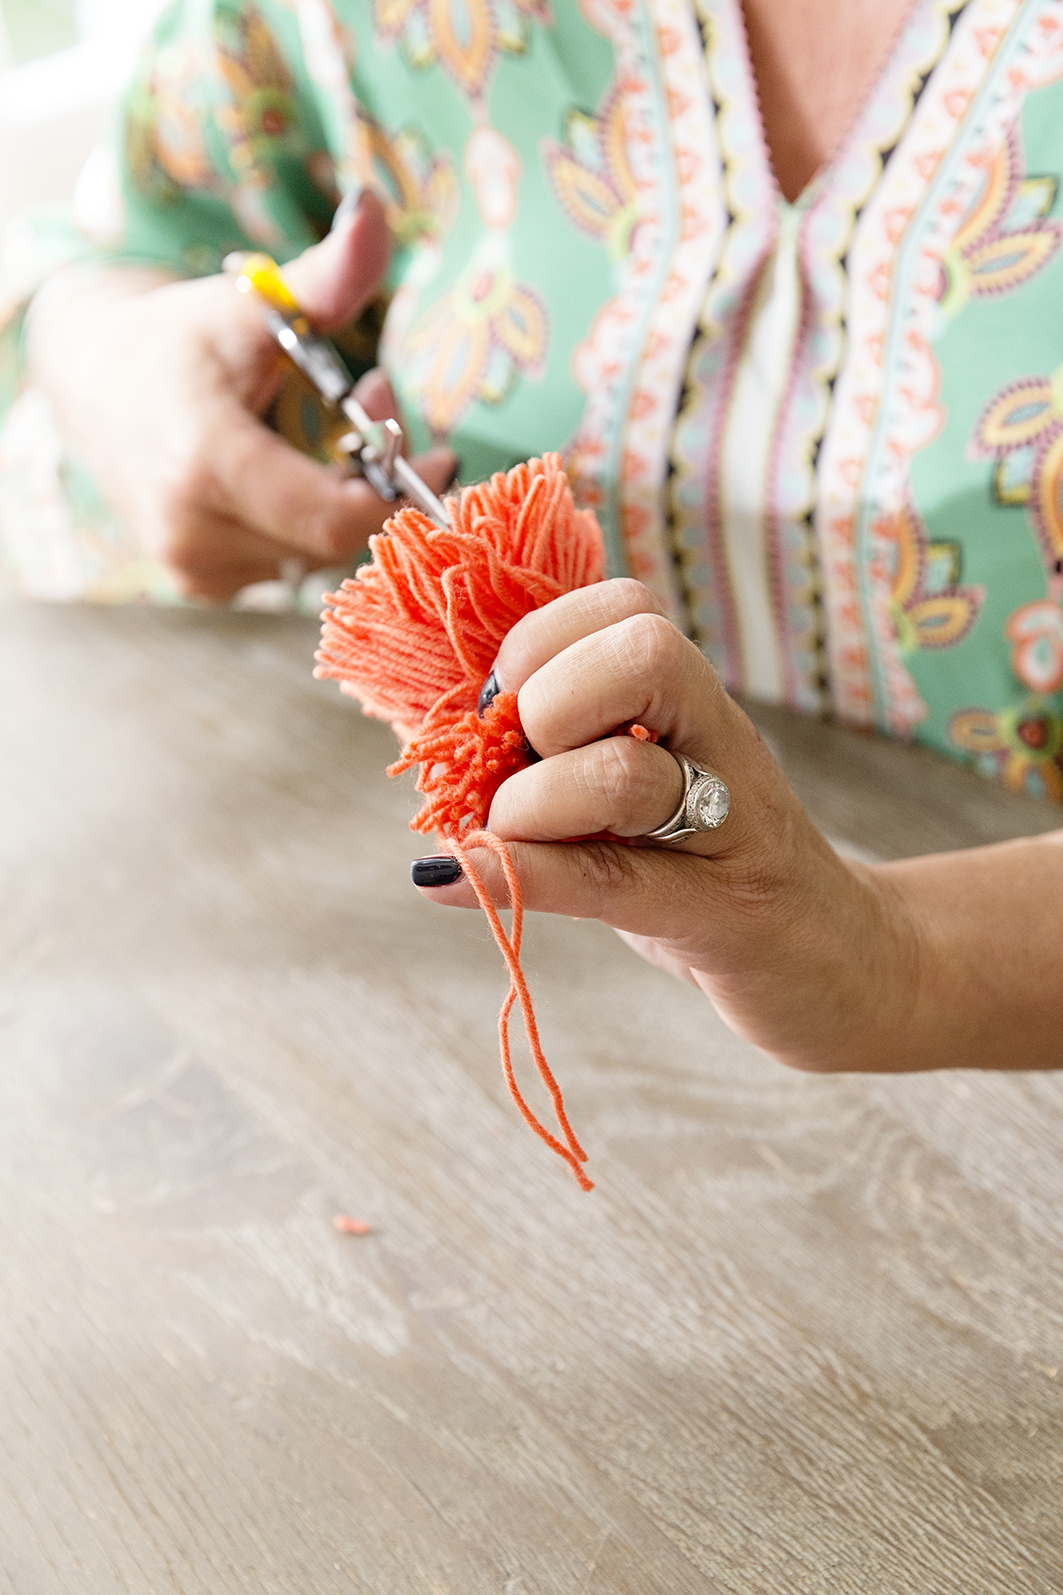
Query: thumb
(334,279)
(642,890)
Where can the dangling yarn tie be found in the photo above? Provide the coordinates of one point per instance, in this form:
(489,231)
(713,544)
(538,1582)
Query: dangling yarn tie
(413,636)
(571,1151)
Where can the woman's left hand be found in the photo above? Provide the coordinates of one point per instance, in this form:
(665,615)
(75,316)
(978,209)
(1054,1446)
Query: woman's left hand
(810,956)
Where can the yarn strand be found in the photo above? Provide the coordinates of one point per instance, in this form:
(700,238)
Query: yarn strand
(509,946)
(413,636)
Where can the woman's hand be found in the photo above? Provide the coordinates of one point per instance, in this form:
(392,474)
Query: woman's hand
(159,386)
(812,958)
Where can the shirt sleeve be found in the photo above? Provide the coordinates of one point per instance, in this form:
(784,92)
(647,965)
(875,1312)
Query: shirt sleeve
(221,143)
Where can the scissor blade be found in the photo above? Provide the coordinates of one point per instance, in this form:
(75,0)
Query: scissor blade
(404,478)
(315,357)
(413,486)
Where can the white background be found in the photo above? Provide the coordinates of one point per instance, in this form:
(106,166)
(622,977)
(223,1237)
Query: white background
(52,111)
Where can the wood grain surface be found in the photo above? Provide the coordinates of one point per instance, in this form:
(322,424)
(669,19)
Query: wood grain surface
(806,1335)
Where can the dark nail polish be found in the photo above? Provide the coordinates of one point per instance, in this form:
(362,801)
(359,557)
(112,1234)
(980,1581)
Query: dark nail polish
(453,477)
(438,870)
(488,693)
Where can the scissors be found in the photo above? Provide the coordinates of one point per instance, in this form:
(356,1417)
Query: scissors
(374,448)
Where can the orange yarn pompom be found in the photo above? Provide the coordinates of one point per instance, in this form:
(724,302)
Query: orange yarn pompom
(413,636)
(463,765)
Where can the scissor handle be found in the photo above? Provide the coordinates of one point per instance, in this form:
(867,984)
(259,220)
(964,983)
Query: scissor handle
(264,276)
(378,444)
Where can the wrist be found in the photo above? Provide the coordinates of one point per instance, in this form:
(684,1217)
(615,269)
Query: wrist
(826,970)
(884,950)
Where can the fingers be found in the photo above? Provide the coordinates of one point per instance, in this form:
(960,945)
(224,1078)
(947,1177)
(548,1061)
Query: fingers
(596,658)
(639,669)
(644,891)
(264,482)
(335,279)
(438,467)
(213,557)
(787,947)
(545,632)
(219,584)
(261,480)
(376,396)
(617,785)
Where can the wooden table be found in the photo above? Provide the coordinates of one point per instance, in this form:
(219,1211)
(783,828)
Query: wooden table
(806,1335)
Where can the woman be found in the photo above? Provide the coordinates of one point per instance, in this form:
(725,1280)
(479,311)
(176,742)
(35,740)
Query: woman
(802,360)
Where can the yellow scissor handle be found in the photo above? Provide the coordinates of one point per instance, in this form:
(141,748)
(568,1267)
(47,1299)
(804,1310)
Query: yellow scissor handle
(376,444)
(262,274)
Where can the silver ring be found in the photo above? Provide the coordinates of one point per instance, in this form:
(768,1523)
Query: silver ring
(703,807)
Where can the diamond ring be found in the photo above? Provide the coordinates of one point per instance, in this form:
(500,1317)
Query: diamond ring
(702,807)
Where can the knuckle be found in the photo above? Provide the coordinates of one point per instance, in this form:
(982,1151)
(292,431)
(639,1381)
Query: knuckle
(605,868)
(199,585)
(188,565)
(335,537)
(176,549)
(651,642)
(186,488)
(187,544)
(634,596)
(622,774)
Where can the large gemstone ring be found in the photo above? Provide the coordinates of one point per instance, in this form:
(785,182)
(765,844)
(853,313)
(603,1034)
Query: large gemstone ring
(703,806)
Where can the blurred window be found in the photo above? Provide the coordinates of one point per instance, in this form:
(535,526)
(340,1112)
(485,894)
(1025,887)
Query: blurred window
(63,64)
(38,27)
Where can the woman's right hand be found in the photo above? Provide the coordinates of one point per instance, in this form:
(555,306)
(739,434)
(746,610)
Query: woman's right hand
(159,385)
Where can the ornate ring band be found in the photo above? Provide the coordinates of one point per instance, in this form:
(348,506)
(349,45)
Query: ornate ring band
(703,806)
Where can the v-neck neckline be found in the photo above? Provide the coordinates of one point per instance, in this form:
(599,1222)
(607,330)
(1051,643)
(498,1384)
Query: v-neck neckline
(821,178)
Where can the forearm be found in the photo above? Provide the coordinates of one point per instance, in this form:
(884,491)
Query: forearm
(988,983)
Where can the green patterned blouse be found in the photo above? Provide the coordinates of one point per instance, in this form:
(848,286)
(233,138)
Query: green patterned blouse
(828,434)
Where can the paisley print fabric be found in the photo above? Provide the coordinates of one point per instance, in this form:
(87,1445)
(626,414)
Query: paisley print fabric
(828,434)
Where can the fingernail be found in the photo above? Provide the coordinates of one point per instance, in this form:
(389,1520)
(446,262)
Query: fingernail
(347,206)
(453,477)
(488,692)
(438,870)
